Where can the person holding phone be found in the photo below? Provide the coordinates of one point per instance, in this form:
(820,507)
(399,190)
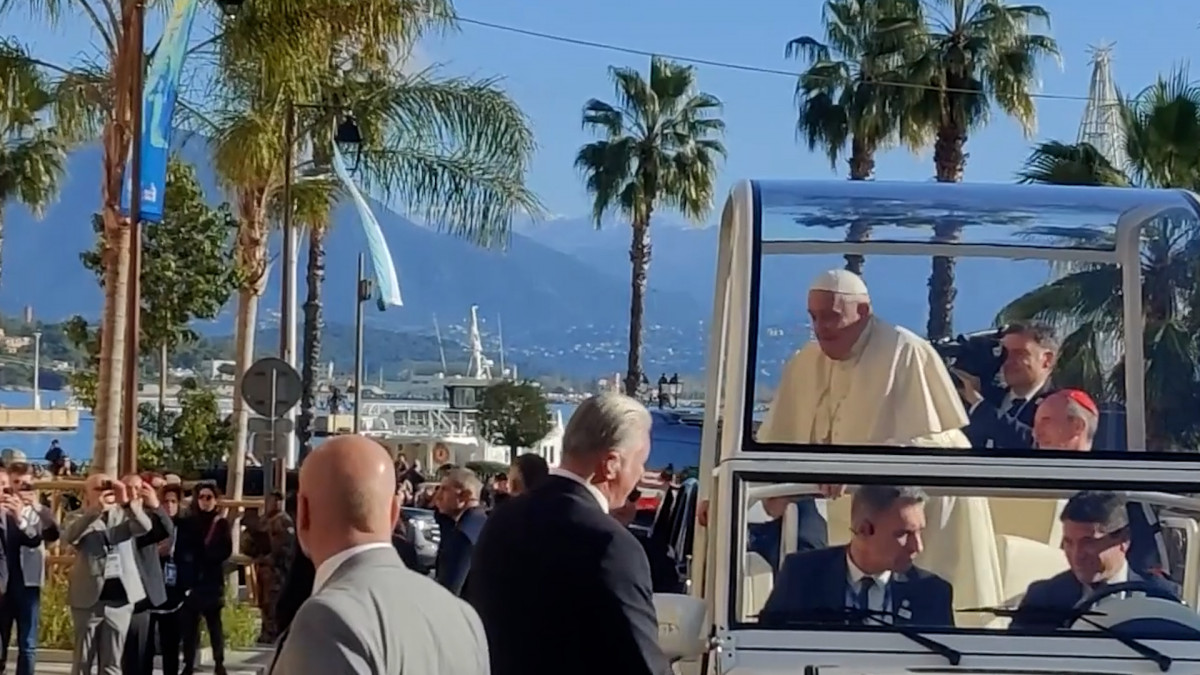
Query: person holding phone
(204,546)
(28,525)
(104,581)
(139,641)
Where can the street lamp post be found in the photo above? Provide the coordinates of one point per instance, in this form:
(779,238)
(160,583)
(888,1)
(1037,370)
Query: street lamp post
(363,294)
(37,370)
(347,134)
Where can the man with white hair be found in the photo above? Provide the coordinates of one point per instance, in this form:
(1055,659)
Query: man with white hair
(560,585)
(862,381)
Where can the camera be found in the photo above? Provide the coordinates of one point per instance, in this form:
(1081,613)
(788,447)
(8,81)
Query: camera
(981,354)
(106,485)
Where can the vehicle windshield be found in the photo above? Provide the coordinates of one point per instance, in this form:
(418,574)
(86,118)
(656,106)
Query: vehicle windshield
(820,555)
(1062,306)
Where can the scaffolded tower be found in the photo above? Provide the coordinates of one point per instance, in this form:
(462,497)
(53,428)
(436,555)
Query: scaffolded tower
(1101,125)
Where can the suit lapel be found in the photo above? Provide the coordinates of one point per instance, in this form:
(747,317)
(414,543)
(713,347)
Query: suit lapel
(902,601)
(835,584)
(278,648)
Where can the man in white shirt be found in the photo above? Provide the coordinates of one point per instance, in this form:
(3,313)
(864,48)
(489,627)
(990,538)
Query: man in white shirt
(368,613)
(1095,539)
(1003,418)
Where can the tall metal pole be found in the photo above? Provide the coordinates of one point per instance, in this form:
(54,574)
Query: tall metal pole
(37,370)
(358,343)
(287,300)
(133,298)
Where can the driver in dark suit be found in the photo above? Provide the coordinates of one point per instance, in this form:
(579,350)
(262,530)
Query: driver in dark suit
(873,573)
(1095,539)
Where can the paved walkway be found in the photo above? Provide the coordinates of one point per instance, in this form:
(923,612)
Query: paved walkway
(240,662)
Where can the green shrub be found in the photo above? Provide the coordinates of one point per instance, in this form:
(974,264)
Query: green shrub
(56,630)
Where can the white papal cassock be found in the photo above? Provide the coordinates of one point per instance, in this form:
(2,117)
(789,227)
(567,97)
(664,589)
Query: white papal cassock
(893,390)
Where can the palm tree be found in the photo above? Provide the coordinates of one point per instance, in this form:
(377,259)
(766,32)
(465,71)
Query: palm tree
(32,151)
(89,100)
(453,153)
(660,148)
(1162,126)
(838,97)
(471,182)
(969,56)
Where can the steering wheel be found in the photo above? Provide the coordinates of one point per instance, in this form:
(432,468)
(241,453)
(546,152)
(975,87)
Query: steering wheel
(1084,606)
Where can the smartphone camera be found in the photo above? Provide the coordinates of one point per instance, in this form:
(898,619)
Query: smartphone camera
(106,485)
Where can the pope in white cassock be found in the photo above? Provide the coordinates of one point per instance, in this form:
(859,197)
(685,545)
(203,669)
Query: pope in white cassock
(864,381)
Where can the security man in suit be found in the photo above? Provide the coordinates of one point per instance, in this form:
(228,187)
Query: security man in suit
(1003,418)
(560,585)
(1095,539)
(368,613)
(870,581)
(105,583)
(458,499)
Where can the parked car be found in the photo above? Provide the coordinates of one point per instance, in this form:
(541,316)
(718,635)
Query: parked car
(424,534)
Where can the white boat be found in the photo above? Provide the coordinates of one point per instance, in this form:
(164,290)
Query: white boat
(994,518)
(444,432)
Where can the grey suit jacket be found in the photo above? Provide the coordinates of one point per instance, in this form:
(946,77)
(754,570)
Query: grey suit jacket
(94,535)
(376,617)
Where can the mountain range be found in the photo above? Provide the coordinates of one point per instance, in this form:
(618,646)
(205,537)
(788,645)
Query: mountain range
(560,288)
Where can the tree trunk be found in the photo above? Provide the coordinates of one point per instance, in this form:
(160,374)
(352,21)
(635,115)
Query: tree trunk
(862,167)
(163,364)
(251,256)
(106,452)
(315,278)
(949,159)
(639,263)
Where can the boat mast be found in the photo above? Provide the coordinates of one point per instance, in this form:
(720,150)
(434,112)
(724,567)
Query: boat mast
(441,348)
(500,333)
(479,367)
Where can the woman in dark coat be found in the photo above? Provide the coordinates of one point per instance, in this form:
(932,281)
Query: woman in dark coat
(205,546)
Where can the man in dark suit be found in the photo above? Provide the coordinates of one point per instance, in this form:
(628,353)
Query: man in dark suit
(1095,539)
(1068,420)
(873,573)
(138,657)
(560,585)
(1002,417)
(458,499)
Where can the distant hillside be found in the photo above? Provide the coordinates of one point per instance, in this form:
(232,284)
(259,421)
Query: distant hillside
(537,290)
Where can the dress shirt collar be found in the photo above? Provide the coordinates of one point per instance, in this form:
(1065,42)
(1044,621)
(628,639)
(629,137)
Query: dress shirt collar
(855,575)
(331,565)
(1121,576)
(600,498)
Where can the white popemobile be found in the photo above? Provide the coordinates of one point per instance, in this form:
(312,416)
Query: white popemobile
(996,513)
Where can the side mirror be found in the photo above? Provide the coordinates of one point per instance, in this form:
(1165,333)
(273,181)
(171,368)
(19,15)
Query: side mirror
(680,625)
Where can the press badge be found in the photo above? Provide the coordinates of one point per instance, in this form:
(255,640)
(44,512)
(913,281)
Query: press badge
(169,573)
(112,566)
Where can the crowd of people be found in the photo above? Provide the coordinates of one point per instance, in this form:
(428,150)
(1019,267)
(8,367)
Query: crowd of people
(149,567)
(352,605)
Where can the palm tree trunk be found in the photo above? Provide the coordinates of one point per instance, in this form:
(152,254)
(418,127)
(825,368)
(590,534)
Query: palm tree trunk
(315,278)
(252,259)
(639,262)
(862,167)
(106,452)
(949,160)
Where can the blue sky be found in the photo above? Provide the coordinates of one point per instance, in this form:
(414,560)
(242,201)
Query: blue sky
(552,80)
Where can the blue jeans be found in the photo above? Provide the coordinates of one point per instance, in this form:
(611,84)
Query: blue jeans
(23,609)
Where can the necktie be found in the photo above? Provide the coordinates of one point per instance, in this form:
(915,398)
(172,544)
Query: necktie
(1014,408)
(863,598)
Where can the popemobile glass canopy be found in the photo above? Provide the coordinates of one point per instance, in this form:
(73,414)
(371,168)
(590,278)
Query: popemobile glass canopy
(771,229)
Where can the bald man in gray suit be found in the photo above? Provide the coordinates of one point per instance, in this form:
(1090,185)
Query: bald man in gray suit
(368,613)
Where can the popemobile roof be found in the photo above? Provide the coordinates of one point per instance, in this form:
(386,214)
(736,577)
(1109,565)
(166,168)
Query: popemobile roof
(976,213)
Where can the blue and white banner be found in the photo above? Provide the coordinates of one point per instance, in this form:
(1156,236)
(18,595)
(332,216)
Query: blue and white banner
(158,107)
(381,258)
